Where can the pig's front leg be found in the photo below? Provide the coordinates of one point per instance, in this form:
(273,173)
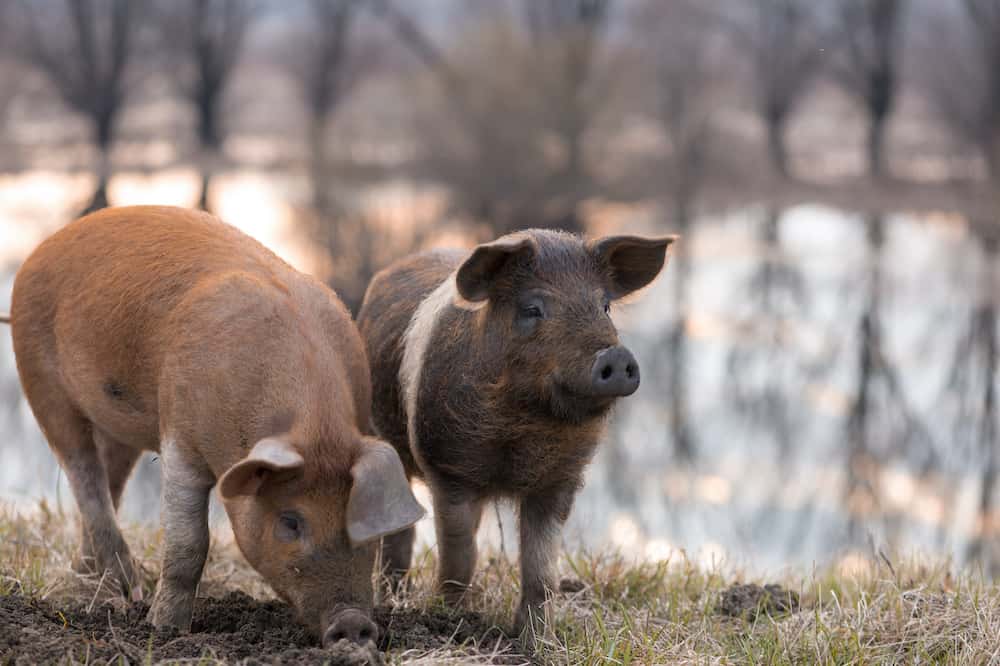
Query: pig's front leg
(184,517)
(539,523)
(456,523)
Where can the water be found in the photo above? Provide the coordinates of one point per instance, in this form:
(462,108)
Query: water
(773,338)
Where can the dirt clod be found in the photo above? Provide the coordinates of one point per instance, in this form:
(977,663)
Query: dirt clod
(571,585)
(234,628)
(748,601)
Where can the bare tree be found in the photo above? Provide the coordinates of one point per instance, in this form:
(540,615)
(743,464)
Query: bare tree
(206,38)
(961,61)
(84,48)
(784,42)
(324,71)
(566,35)
(519,157)
(868,63)
(683,58)
(10,76)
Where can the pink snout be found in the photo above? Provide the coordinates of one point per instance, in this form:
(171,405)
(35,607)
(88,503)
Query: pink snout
(353,625)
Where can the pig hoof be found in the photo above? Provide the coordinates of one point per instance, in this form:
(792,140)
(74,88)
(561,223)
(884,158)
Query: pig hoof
(454,594)
(84,564)
(530,624)
(162,616)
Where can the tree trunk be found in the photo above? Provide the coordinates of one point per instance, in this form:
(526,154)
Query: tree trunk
(99,199)
(319,177)
(860,491)
(776,145)
(104,126)
(677,349)
(876,145)
(206,178)
(993,157)
(210,165)
(210,136)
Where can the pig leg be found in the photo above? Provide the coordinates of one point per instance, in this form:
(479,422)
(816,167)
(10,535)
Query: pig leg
(72,438)
(397,552)
(539,523)
(118,461)
(184,518)
(456,524)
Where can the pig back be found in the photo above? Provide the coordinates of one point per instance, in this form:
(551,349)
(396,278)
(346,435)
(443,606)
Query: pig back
(390,302)
(103,301)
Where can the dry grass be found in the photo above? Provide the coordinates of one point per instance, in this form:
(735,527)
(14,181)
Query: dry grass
(625,613)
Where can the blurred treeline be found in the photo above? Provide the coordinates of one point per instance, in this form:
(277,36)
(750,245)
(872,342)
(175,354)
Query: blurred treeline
(563,113)
(522,111)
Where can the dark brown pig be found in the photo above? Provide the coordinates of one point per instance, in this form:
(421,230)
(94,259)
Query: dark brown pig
(492,375)
(161,329)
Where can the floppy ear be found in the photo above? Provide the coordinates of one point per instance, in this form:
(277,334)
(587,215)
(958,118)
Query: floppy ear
(381,500)
(486,262)
(268,461)
(630,262)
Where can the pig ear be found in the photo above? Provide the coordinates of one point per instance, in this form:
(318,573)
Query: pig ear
(268,461)
(486,262)
(381,500)
(630,262)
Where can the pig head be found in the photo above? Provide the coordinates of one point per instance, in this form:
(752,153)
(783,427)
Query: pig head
(313,531)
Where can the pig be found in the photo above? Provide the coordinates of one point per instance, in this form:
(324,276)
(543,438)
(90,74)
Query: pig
(492,375)
(162,329)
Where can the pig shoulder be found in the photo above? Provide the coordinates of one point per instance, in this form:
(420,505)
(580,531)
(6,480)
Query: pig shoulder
(389,305)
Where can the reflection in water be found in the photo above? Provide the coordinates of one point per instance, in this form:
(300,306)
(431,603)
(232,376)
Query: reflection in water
(765,373)
(973,382)
(801,349)
(881,424)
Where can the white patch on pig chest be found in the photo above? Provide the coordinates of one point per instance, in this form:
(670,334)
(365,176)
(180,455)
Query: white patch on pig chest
(415,342)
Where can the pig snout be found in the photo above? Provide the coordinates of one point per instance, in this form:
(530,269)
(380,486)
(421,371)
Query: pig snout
(353,625)
(615,373)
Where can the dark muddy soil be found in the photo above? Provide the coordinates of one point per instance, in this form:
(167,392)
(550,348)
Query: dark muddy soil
(750,600)
(235,628)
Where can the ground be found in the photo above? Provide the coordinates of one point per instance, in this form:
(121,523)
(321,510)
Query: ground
(609,609)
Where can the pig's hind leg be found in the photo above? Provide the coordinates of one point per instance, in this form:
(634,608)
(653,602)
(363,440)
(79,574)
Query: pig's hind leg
(184,517)
(72,438)
(118,461)
(397,552)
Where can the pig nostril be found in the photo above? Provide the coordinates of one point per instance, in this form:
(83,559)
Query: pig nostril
(365,634)
(606,372)
(631,370)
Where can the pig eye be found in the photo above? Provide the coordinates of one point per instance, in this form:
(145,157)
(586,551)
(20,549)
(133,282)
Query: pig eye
(531,312)
(289,527)
(528,316)
(607,307)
